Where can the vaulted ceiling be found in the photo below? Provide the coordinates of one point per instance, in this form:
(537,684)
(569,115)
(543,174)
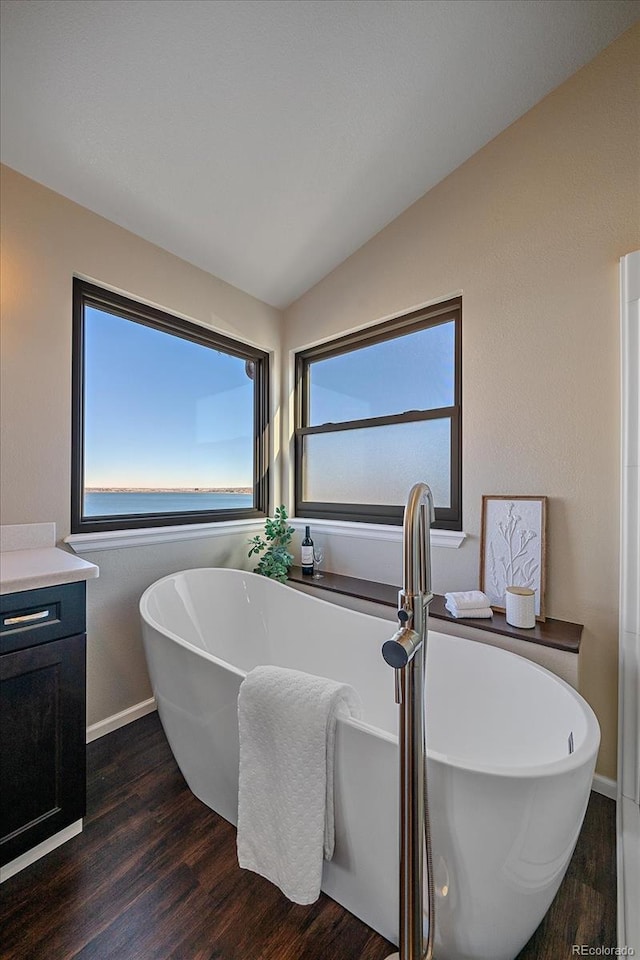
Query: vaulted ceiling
(266,140)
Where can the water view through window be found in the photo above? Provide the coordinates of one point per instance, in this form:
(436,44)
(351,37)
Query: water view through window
(114,503)
(168,424)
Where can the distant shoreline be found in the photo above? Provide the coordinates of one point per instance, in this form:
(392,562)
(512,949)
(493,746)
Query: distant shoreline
(168,490)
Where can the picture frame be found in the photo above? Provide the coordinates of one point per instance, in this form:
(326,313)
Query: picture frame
(513,548)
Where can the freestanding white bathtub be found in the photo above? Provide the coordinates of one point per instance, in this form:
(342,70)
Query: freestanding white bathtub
(511,750)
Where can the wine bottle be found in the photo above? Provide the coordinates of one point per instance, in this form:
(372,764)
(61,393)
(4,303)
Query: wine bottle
(306,554)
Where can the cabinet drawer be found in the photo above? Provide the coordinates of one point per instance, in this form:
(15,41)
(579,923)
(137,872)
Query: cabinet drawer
(32,617)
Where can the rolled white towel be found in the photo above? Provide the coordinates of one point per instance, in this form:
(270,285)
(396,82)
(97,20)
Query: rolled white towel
(468,599)
(476,612)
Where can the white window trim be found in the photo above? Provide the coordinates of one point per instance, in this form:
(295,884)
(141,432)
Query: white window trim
(145,536)
(453,539)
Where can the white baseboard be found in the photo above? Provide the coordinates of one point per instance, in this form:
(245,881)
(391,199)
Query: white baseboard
(41,850)
(109,724)
(605,786)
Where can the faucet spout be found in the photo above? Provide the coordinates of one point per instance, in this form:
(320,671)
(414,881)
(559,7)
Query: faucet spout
(419,514)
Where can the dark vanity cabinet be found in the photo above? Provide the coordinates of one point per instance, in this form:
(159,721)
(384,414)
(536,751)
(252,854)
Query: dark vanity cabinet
(42,715)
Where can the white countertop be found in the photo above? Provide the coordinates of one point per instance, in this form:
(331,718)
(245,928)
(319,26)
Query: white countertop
(42,567)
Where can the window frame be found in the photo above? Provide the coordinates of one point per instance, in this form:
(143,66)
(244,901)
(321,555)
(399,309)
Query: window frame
(86,294)
(447,518)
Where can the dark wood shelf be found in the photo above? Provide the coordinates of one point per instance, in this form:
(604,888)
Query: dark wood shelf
(559,634)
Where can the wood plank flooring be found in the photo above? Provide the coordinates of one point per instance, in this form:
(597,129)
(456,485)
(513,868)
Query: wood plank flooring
(154,876)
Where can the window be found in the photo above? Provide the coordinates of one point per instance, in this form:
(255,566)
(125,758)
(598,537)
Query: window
(169,418)
(377,411)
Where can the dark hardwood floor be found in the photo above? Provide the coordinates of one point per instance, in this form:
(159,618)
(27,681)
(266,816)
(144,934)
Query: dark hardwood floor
(154,876)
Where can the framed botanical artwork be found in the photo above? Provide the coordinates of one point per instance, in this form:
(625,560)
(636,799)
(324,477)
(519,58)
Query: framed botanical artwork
(512,548)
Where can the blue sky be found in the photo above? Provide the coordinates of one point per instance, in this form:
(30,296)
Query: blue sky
(414,372)
(162,411)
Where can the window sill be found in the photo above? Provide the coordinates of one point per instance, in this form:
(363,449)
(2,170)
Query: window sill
(453,539)
(145,536)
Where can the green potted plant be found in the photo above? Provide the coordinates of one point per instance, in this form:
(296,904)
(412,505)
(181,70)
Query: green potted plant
(276,559)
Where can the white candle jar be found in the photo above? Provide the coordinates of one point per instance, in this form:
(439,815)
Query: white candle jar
(520,607)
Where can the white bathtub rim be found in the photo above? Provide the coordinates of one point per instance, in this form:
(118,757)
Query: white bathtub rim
(586,753)
(253,576)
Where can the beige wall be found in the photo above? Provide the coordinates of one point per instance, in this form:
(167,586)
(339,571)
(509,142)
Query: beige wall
(46,240)
(530,230)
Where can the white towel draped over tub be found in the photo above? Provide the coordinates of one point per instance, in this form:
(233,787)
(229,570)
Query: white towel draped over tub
(287,725)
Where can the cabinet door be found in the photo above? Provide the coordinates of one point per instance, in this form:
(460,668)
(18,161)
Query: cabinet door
(42,743)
